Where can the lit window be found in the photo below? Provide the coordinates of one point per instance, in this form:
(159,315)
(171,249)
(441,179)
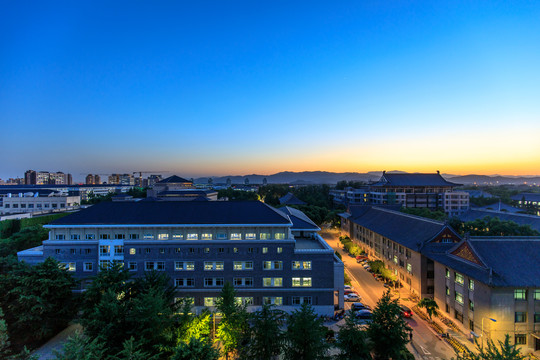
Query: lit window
(520,294)
(71,266)
(278,300)
(192,236)
(148,236)
(185,300)
(471,305)
(471,284)
(104,264)
(301,282)
(213,265)
(395,259)
(88,266)
(264,236)
(265,250)
(184,265)
(163,236)
(272,265)
(279,250)
(210,301)
(90,236)
(272,282)
(279,236)
(251,236)
(206,236)
(132,251)
(236,236)
(520,339)
(537,294)
(244,300)
(447,273)
(409,268)
(458,297)
(459,278)
(206,250)
(178,236)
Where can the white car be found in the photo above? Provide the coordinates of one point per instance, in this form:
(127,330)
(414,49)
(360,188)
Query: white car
(347,287)
(352,297)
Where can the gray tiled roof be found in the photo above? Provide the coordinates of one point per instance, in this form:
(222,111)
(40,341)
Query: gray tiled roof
(290,199)
(389,179)
(176,212)
(173,179)
(299,219)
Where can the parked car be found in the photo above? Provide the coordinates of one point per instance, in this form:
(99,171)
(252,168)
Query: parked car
(361,257)
(359,306)
(347,287)
(347,292)
(406,312)
(352,297)
(364,315)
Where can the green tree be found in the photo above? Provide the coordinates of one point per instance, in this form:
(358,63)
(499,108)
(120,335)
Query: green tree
(305,336)
(502,351)
(26,238)
(388,331)
(195,349)
(267,338)
(133,351)
(233,327)
(352,341)
(430,305)
(39,299)
(80,347)
(4,337)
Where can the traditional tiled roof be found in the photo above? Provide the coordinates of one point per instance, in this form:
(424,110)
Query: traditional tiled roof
(176,212)
(390,179)
(290,199)
(173,179)
(527,197)
(299,219)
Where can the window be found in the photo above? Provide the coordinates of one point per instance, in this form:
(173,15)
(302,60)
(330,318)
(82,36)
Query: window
(236,236)
(60,237)
(520,294)
(221,236)
(37,205)
(149,265)
(395,259)
(264,236)
(243,265)
(247,282)
(537,294)
(458,316)
(160,265)
(207,250)
(57,251)
(537,317)
(458,297)
(244,300)
(72,251)
(301,265)
(104,264)
(184,282)
(192,250)
(447,291)
(265,250)
(75,237)
(23,206)
(162,250)
(104,249)
(184,265)
(250,250)
(7,206)
(299,300)
(235,250)
(301,282)
(272,282)
(147,250)
(154,265)
(104,236)
(178,236)
(87,251)
(212,282)
(206,236)
(90,236)
(213,265)
(459,278)
(409,268)
(163,236)
(447,273)
(471,284)
(188,300)
(148,236)
(520,316)
(210,301)
(132,251)
(279,236)
(221,250)
(88,266)
(118,249)
(133,236)
(471,305)
(15,206)
(192,236)
(520,339)
(272,265)
(119,236)
(132,266)
(279,250)
(271,300)
(251,236)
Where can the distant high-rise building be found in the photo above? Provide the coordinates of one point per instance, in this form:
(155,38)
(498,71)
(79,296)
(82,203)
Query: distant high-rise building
(97,179)
(89,179)
(122,179)
(265,182)
(30,177)
(152,179)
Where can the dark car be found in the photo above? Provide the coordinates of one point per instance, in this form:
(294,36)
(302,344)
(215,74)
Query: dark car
(406,312)
(364,315)
(359,306)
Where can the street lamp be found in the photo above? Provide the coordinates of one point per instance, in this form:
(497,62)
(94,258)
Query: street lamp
(483,328)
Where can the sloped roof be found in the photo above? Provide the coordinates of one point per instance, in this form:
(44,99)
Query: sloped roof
(175,213)
(290,199)
(299,219)
(173,179)
(390,179)
(527,196)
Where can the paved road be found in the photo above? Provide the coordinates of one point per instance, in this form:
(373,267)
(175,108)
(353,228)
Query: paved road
(426,345)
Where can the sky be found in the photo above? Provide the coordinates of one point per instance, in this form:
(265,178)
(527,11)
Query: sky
(214,88)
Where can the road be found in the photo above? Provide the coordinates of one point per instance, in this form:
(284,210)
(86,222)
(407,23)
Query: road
(426,345)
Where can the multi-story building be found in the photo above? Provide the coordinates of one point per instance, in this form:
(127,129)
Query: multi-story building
(37,202)
(121,179)
(32,177)
(473,280)
(270,256)
(429,191)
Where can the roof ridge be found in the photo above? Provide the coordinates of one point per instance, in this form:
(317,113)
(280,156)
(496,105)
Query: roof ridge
(411,216)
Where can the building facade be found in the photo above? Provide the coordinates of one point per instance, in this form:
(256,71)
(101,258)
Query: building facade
(269,256)
(473,280)
(37,202)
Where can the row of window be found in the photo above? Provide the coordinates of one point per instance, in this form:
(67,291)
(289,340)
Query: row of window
(521,294)
(245,282)
(105,250)
(38,206)
(167,236)
(460,279)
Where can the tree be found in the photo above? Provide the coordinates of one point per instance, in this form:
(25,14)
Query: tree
(133,351)
(39,299)
(305,335)
(430,305)
(267,338)
(352,341)
(4,337)
(388,331)
(195,349)
(232,329)
(80,347)
(502,351)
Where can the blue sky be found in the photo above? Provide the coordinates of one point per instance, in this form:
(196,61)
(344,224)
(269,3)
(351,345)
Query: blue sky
(215,88)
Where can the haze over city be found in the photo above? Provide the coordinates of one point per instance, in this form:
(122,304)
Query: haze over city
(213,88)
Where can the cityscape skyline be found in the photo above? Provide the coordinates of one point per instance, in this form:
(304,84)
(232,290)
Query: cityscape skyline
(233,89)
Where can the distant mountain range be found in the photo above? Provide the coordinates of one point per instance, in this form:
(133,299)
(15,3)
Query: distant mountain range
(326,177)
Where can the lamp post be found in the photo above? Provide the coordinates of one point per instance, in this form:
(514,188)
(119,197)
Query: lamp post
(483,328)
